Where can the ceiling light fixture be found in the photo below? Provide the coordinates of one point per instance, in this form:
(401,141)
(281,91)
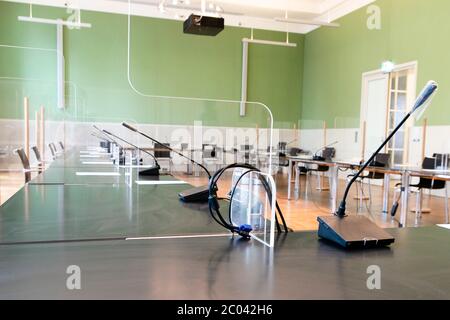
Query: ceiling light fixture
(309,22)
(73,24)
(272,43)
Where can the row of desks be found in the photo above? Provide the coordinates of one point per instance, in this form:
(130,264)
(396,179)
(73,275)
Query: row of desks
(405,172)
(60,205)
(47,227)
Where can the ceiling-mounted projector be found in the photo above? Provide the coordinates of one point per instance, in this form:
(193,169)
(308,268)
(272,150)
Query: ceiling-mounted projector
(203,25)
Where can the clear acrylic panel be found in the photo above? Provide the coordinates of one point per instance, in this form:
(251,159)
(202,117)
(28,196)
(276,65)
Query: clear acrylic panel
(252,204)
(313,135)
(35,99)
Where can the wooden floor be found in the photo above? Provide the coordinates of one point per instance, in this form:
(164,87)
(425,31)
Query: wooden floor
(10,183)
(300,214)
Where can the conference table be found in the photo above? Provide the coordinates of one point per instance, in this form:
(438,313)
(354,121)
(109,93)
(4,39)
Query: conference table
(406,172)
(138,241)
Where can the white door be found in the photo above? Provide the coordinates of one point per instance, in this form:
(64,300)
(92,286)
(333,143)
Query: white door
(373,111)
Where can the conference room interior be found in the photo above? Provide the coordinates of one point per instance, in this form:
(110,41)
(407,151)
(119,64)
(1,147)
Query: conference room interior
(111,109)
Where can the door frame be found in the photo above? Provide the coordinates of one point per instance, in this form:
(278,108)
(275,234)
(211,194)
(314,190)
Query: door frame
(414,66)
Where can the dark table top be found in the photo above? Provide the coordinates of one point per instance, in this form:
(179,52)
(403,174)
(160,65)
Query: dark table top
(417,266)
(70,212)
(59,205)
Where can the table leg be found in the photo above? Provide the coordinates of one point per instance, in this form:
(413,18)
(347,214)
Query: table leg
(297,182)
(289,179)
(189,165)
(334,177)
(405,199)
(446,204)
(386,188)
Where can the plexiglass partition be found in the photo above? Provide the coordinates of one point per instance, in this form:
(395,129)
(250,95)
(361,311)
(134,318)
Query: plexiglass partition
(252,203)
(30,121)
(210,132)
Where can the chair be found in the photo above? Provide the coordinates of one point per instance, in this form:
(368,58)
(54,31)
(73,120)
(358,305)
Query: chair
(426,183)
(382,160)
(37,155)
(52,150)
(442,160)
(210,155)
(25,163)
(282,147)
(246,150)
(327,154)
(164,154)
(184,146)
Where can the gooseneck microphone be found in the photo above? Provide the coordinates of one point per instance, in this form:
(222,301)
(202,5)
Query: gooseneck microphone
(153,171)
(111,140)
(357,231)
(199,194)
(104,135)
(315,155)
(166,147)
(100,138)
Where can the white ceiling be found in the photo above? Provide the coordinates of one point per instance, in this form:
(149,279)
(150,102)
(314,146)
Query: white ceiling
(260,14)
(256,8)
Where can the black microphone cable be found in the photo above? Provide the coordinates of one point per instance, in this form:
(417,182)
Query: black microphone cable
(214,207)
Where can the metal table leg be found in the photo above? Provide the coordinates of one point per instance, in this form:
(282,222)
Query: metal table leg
(386,188)
(334,177)
(297,181)
(189,165)
(289,179)
(405,198)
(446,203)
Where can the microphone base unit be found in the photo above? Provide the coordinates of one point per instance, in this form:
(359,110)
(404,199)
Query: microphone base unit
(198,195)
(353,232)
(150,172)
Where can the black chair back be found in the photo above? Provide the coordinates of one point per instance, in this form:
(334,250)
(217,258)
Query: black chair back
(382,160)
(52,149)
(246,148)
(294,151)
(426,183)
(209,151)
(161,152)
(37,154)
(282,147)
(328,153)
(442,160)
(25,163)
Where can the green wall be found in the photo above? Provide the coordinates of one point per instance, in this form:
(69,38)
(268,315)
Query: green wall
(164,62)
(336,58)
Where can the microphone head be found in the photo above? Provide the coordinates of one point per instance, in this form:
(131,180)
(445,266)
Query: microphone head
(425,96)
(126,125)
